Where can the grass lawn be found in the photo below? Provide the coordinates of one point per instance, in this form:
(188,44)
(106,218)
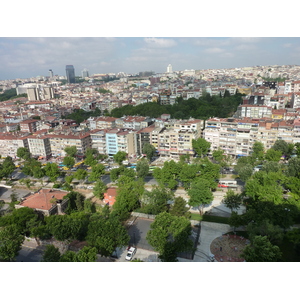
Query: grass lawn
(209,218)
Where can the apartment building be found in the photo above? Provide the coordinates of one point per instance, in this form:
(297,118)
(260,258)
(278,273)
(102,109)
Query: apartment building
(39,146)
(11,141)
(237,136)
(102,123)
(173,143)
(146,135)
(127,142)
(59,141)
(133,122)
(29,125)
(98,140)
(253,111)
(111,141)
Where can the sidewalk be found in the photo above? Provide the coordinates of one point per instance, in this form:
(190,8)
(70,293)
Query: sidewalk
(209,231)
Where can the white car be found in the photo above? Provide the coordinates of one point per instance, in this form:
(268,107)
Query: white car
(130,253)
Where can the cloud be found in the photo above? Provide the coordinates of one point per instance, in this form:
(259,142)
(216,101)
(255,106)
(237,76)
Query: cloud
(214,50)
(160,42)
(244,40)
(245,47)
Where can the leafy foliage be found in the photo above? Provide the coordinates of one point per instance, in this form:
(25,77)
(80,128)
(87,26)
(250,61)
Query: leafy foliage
(200,194)
(71,151)
(261,250)
(170,235)
(201,108)
(105,234)
(51,254)
(10,242)
(201,146)
(119,157)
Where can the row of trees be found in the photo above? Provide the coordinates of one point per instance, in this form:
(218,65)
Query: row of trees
(271,197)
(102,230)
(201,108)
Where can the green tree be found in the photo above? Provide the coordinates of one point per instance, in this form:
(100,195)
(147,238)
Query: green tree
(97,171)
(261,250)
(232,200)
(272,166)
(75,202)
(200,194)
(68,227)
(156,200)
(142,168)
(106,234)
(245,172)
(293,168)
(86,254)
(7,167)
(99,189)
(179,208)
(273,155)
(71,151)
(69,161)
(170,235)
(68,256)
(31,167)
(119,157)
(10,242)
(283,147)
(218,155)
(149,150)
(128,196)
(21,218)
(23,153)
(265,228)
(187,174)
(80,174)
(258,151)
(52,171)
(51,254)
(201,146)
(69,179)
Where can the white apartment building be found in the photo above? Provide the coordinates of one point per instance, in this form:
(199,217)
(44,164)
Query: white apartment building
(58,142)
(39,146)
(10,142)
(98,140)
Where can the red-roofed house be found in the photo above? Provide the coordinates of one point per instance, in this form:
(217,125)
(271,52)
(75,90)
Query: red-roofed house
(47,201)
(110,196)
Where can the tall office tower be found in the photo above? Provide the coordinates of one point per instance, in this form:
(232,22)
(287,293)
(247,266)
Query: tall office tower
(84,73)
(50,73)
(169,69)
(70,71)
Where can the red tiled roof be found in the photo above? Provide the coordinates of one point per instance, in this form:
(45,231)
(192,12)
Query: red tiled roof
(110,196)
(42,199)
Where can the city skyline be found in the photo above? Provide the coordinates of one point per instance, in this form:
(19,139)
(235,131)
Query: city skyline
(22,57)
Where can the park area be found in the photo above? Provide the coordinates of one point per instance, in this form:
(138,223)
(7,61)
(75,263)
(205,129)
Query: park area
(228,248)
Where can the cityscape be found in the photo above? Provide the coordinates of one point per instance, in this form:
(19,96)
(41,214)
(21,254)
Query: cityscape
(191,165)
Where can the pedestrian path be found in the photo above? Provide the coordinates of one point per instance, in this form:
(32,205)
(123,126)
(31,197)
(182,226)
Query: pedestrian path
(209,232)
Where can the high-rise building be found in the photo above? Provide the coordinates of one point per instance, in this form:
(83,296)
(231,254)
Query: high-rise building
(84,73)
(50,73)
(70,71)
(169,69)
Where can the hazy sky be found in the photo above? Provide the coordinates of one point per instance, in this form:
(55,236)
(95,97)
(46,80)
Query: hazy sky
(28,57)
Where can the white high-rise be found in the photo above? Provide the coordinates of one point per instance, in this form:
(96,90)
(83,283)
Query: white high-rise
(169,69)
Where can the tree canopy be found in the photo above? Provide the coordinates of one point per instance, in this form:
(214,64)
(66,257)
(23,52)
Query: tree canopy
(170,235)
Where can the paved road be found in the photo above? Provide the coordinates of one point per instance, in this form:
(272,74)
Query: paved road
(29,254)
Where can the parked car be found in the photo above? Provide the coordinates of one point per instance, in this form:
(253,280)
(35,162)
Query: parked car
(130,253)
